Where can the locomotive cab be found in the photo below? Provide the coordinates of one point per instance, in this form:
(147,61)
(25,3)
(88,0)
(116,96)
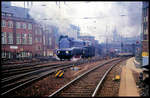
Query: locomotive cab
(77,51)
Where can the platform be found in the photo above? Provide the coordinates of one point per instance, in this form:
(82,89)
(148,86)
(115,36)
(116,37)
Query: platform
(127,83)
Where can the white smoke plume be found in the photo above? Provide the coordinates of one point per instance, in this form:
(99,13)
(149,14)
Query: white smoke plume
(50,13)
(109,15)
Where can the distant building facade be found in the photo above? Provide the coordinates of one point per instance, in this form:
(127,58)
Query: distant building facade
(17,32)
(49,41)
(88,38)
(92,41)
(145,32)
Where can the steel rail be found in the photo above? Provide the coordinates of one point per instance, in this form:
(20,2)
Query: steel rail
(77,78)
(29,69)
(39,76)
(26,71)
(101,81)
(34,69)
(6,67)
(32,72)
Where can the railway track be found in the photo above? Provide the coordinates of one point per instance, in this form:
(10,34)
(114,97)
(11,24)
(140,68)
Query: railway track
(16,66)
(88,83)
(28,68)
(16,81)
(16,62)
(18,69)
(27,60)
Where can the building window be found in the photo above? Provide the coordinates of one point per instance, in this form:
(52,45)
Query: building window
(144,25)
(145,31)
(24,38)
(10,24)
(44,40)
(10,38)
(3,23)
(38,48)
(18,38)
(4,38)
(18,55)
(4,54)
(24,26)
(3,14)
(30,39)
(29,54)
(8,14)
(30,26)
(50,41)
(23,54)
(36,31)
(18,25)
(145,12)
(9,55)
(38,40)
(144,19)
(40,31)
(145,37)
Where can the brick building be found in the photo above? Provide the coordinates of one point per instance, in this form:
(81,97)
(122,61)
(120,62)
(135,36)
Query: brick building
(145,32)
(49,41)
(38,40)
(17,32)
(21,36)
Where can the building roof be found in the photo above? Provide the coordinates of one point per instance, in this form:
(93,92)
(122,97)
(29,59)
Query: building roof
(91,37)
(15,11)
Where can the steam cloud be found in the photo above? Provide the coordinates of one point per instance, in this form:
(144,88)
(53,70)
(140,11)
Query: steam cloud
(48,13)
(108,13)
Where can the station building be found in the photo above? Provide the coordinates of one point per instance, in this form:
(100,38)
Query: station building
(145,32)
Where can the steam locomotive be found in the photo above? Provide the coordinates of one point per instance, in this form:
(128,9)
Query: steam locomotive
(70,48)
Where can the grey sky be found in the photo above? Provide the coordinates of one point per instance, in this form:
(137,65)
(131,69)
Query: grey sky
(101,14)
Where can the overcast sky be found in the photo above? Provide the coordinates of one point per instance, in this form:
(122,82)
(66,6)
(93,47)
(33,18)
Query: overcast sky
(104,17)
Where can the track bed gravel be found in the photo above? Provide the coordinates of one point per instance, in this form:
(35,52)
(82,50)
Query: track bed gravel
(109,87)
(49,84)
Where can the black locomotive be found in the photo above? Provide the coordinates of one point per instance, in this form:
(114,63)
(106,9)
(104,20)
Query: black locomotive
(88,51)
(69,48)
